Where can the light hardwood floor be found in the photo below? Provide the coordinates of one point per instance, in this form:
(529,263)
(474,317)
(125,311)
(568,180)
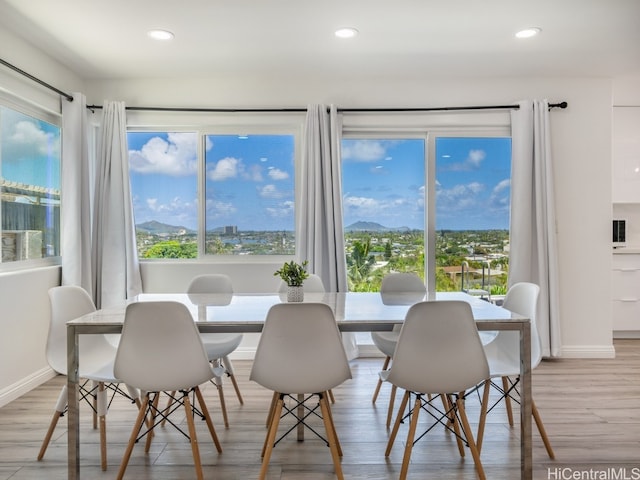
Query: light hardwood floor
(591,409)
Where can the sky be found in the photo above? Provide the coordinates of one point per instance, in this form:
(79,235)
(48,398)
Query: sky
(29,150)
(250,181)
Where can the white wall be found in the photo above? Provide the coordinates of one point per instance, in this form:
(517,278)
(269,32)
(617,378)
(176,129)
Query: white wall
(581,138)
(24,304)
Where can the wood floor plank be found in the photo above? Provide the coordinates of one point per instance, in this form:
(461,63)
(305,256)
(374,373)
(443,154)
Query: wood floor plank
(590,407)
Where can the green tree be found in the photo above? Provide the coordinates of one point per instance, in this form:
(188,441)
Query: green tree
(172,249)
(359,264)
(387,251)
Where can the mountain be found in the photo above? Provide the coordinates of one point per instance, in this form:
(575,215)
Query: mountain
(157,228)
(372,227)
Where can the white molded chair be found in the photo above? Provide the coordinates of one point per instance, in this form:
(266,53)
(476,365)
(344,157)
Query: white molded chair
(96,355)
(219,345)
(439,352)
(300,352)
(394,283)
(312,284)
(503,355)
(160,350)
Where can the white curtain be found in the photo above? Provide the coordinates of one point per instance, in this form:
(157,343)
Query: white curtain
(533,255)
(77,182)
(115,259)
(320,225)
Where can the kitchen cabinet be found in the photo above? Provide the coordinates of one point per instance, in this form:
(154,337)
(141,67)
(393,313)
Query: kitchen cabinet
(625,154)
(625,288)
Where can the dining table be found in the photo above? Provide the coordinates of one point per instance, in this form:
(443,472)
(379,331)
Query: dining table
(246,312)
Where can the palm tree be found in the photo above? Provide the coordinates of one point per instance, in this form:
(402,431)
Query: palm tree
(359,263)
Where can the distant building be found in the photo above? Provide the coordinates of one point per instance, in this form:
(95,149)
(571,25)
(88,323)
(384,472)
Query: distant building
(230,229)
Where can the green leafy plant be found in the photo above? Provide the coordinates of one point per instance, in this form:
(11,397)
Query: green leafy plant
(293,273)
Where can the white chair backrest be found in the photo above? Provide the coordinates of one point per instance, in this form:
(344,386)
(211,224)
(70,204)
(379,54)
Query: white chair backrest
(300,350)
(439,349)
(522,298)
(211,283)
(67,303)
(312,284)
(160,348)
(401,282)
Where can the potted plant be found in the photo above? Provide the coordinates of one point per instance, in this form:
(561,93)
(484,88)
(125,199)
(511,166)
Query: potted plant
(294,275)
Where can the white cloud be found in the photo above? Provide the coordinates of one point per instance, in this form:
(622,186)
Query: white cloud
(476,157)
(364,151)
(175,156)
(277,174)
(217,209)
(501,186)
(284,210)
(270,191)
(225,168)
(27,140)
(459,196)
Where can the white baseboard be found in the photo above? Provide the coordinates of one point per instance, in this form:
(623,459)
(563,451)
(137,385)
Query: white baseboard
(588,351)
(626,334)
(25,385)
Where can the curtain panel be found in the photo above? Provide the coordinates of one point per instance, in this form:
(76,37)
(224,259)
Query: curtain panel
(77,184)
(533,255)
(320,225)
(115,257)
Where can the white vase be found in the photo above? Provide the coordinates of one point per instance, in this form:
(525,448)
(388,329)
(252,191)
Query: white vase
(295,294)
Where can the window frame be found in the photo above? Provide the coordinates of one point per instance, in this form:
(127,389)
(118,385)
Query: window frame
(203,124)
(38,112)
(430,134)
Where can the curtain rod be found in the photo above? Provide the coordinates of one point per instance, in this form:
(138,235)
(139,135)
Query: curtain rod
(342,110)
(69,97)
(37,80)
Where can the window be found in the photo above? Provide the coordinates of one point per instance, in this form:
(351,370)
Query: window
(163,168)
(249,191)
(383,182)
(244,207)
(472,205)
(466,191)
(29,185)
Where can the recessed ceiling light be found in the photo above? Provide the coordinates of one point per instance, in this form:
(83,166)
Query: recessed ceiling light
(528,32)
(160,34)
(346,32)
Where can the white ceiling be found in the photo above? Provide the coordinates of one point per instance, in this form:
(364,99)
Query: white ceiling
(407,38)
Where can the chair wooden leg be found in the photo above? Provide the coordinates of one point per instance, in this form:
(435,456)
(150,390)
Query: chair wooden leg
(331,397)
(483,414)
(410,436)
(101,405)
(132,439)
(335,434)
(454,423)
(271,437)
(61,406)
(274,399)
(331,436)
(507,400)
(195,450)
(396,425)
(379,384)
(541,429)
(469,436)
(207,416)
(223,405)
(392,400)
(232,376)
